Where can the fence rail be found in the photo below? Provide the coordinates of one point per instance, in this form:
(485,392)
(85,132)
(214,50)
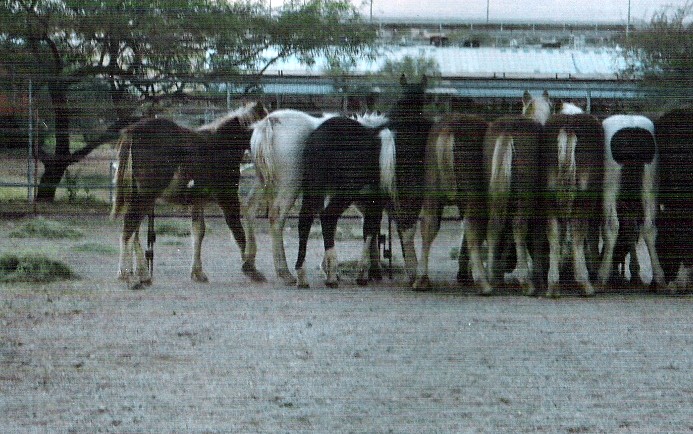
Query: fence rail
(92,177)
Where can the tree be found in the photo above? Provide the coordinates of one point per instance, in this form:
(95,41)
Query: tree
(662,52)
(149,50)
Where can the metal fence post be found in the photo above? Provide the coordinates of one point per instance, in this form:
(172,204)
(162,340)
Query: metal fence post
(31,163)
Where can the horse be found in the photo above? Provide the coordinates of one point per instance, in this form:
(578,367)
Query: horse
(158,158)
(366,164)
(572,156)
(630,193)
(674,134)
(513,178)
(454,150)
(276,149)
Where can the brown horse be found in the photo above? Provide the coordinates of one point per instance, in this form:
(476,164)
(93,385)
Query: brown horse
(572,155)
(454,174)
(158,158)
(511,165)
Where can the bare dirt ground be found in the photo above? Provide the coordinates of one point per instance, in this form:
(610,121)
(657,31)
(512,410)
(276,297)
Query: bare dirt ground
(232,356)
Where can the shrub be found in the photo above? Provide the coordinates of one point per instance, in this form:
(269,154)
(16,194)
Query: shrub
(33,268)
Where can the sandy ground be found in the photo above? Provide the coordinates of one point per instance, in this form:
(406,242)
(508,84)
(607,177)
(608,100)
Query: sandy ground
(233,356)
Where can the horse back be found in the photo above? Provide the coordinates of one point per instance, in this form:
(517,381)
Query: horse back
(525,135)
(589,149)
(341,155)
(456,149)
(159,147)
(674,135)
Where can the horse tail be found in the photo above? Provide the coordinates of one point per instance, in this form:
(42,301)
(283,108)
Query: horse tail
(262,148)
(445,162)
(567,170)
(501,165)
(388,158)
(123,178)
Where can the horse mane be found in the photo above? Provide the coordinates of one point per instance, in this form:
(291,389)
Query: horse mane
(537,109)
(246,115)
(568,108)
(371,120)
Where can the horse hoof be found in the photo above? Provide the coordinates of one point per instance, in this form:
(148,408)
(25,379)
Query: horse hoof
(198,276)
(361,281)
(423,283)
(463,278)
(553,293)
(287,278)
(485,290)
(332,284)
(139,286)
(252,272)
(375,274)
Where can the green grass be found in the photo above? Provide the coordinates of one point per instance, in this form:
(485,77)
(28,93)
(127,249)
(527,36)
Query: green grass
(33,268)
(101,249)
(44,228)
(173,229)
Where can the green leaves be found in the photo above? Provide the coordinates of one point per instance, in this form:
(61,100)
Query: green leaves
(663,51)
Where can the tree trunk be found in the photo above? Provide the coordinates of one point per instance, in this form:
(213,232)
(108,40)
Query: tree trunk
(53,172)
(55,166)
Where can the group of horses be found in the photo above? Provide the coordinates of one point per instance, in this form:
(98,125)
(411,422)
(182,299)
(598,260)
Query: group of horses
(548,181)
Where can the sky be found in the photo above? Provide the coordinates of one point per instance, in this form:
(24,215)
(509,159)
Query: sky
(519,10)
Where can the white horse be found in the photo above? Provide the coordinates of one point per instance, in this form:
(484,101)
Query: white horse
(630,148)
(276,149)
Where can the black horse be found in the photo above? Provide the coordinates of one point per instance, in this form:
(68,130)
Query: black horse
(371,164)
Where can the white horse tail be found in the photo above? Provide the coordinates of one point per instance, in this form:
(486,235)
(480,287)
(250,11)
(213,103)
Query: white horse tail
(445,162)
(566,157)
(388,158)
(123,178)
(501,165)
(262,148)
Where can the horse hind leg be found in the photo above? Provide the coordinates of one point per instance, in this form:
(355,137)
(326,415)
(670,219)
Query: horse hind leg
(129,243)
(522,265)
(328,219)
(430,225)
(372,216)
(474,235)
(554,238)
(279,209)
(252,205)
(231,207)
(198,228)
(582,277)
(310,205)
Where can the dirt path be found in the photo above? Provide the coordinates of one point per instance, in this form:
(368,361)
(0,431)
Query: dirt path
(230,356)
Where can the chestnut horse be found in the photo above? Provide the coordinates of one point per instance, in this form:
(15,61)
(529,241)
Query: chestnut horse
(572,156)
(512,170)
(454,174)
(158,158)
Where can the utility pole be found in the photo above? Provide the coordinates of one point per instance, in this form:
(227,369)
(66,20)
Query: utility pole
(628,21)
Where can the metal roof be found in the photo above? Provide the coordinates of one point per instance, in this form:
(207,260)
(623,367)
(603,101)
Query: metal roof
(523,62)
